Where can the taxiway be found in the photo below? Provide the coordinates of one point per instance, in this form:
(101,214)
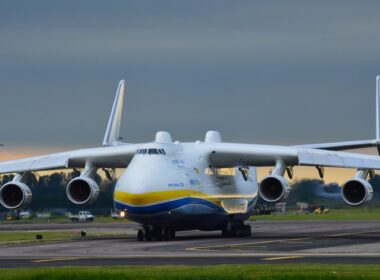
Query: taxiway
(271,242)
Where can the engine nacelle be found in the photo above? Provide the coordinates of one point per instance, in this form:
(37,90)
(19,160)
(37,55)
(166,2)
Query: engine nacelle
(15,195)
(357,191)
(82,190)
(274,188)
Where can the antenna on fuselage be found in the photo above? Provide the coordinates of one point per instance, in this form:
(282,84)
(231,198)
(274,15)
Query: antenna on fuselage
(113,128)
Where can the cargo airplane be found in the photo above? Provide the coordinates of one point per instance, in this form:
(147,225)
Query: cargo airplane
(169,186)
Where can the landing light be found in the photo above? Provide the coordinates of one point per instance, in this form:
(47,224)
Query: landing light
(122,214)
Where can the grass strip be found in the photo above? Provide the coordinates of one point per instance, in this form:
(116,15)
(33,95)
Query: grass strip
(230,272)
(26,237)
(349,214)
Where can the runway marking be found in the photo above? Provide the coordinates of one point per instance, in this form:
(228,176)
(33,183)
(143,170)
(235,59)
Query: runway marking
(352,233)
(288,240)
(246,244)
(297,242)
(282,258)
(55,260)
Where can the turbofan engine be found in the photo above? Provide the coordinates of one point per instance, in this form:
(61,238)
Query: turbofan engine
(83,189)
(274,188)
(357,191)
(15,194)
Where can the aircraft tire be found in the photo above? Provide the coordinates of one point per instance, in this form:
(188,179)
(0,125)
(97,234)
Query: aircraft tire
(140,235)
(240,231)
(158,234)
(237,231)
(167,234)
(148,235)
(248,231)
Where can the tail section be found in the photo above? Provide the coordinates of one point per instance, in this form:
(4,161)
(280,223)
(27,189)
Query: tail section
(378,113)
(113,128)
(378,108)
(342,146)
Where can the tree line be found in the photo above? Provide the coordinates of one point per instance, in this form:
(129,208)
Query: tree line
(49,192)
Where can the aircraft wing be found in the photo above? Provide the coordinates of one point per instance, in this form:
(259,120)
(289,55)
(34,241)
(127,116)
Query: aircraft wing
(103,157)
(340,146)
(230,155)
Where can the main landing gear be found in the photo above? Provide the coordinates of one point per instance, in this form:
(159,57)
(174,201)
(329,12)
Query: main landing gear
(239,230)
(150,233)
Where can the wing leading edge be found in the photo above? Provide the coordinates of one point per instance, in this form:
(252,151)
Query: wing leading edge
(106,157)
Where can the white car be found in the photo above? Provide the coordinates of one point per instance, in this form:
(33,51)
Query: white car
(25,215)
(83,216)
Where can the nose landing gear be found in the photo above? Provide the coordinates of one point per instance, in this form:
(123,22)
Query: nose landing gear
(150,233)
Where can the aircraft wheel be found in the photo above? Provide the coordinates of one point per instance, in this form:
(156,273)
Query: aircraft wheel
(172,233)
(225,233)
(148,235)
(248,231)
(166,234)
(240,232)
(158,234)
(140,235)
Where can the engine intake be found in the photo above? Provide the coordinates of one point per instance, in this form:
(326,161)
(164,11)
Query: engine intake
(357,191)
(15,195)
(274,188)
(82,190)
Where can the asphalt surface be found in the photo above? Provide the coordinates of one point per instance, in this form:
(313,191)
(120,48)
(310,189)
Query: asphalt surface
(271,242)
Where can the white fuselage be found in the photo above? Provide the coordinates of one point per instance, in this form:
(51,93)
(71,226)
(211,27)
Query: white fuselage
(174,184)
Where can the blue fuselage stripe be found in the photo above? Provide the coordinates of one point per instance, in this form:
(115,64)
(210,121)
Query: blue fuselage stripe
(165,206)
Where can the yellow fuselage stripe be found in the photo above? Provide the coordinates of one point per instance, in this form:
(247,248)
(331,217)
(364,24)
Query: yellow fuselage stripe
(156,197)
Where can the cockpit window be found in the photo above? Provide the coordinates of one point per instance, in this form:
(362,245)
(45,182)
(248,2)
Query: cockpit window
(150,152)
(153,151)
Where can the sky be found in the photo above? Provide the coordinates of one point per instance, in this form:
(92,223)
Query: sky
(277,72)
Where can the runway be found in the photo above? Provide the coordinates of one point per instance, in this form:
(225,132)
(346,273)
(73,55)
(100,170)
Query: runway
(271,242)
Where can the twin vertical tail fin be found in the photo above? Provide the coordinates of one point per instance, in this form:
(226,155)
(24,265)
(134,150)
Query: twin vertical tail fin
(112,135)
(378,108)
(378,113)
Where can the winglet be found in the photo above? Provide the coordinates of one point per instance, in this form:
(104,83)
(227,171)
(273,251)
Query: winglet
(113,128)
(378,108)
